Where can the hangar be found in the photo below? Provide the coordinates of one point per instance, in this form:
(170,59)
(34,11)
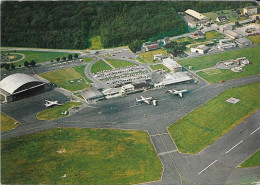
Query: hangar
(17,85)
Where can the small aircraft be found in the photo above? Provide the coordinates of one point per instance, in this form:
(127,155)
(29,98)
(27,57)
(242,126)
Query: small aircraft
(51,103)
(143,99)
(180,93)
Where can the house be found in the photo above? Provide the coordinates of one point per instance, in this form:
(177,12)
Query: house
(201,49)
(221,18)
(242,42)
(150,46)
(232,34)
(226,44)
(242,60)
(196,16)
(250,10)
(172,65)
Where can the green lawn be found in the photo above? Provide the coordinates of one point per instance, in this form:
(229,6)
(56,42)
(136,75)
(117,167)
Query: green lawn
(159,66)
(255,39)
(87,156)
(141,60)
(66,78)
(210,121)
(56,111)
(88,59)
(213,35)
(40,56)
(80,70)
(208,61)
(13,57)
(119,63)
(99,66)
(96,43)
(7,122)
(230,14)
(149,56)
(254,160)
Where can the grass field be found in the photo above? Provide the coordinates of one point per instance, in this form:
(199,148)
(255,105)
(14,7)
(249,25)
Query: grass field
(62,77)
(230,14)
(159,66)
(255,39)
(56,111)
(86,156)
(208,61)
(96,43)
(12,57)
(213,35)
(207,123)
(141,60)
(99,66)
(254,160)
(88,59)
(119,63)
(7,122)
(80,70)
(149,56)
(40,56)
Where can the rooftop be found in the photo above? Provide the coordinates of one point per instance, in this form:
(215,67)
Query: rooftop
(195,14)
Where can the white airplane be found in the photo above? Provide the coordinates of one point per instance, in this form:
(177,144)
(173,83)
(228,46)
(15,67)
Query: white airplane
(145,100)
(180,93)
(51,103)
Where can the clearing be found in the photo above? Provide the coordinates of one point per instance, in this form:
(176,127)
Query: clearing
(215,118)
(96,43)
(80,156)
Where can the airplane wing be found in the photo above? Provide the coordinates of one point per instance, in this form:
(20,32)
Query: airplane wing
(146,101)
(180,94)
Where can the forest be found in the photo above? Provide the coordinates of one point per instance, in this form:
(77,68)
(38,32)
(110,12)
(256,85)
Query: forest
(70,24)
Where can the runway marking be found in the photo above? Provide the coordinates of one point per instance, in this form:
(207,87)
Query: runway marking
(159,134)
(234,146)
(207,167)
(168,152)
(201,87)
(255,130)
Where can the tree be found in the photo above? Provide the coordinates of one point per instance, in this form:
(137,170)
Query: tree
(63,58)
(76,55)
(237,24)
(32,63)
(26,64)
(57,59)
(3,65)
(7,66)
(12,66)
(238,12)
(70,57)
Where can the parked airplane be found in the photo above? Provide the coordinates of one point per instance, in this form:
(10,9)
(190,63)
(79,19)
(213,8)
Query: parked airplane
(51,103)
(145,100)
(180,93)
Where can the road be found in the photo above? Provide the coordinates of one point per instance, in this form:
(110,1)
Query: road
(214,165)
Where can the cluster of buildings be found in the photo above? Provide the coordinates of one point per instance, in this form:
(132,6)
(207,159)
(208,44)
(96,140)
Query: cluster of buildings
(149,46)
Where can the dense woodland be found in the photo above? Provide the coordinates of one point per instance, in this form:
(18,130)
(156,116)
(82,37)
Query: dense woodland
(64,25)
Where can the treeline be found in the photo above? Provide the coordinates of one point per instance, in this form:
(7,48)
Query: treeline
(69,25)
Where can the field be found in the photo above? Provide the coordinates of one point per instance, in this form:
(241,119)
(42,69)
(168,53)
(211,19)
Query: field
(12,57)
(213,35)
(149,56)
(80,156)
(159,66)
(99,66)
(255,39)
(96,43)
(88,59)
(254,160)
(56,111)
(141,60)
(207,123)
(39,56)
(230,14)
(119,63)
(66,78)
(80,70)
(208,61)
(7,122)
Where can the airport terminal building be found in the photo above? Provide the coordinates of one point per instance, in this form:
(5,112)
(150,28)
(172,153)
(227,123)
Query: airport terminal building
(18,85)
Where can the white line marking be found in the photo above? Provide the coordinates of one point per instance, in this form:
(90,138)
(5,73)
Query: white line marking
(207,167)
(201,87)
(233,147)
(164,153)
(255,130)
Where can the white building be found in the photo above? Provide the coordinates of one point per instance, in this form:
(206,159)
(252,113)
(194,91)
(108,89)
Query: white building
(250,10)
(172,65)
(231,34)
(226,44)
(157,57)
(173,78)
(201,49)
(125,89)
(197,16)
(243,42)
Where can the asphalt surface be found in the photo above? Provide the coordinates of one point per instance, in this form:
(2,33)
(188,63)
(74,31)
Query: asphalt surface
(214,165)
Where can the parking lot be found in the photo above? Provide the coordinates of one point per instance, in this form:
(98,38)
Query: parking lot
(123,53)
(248,30)
(124,75)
